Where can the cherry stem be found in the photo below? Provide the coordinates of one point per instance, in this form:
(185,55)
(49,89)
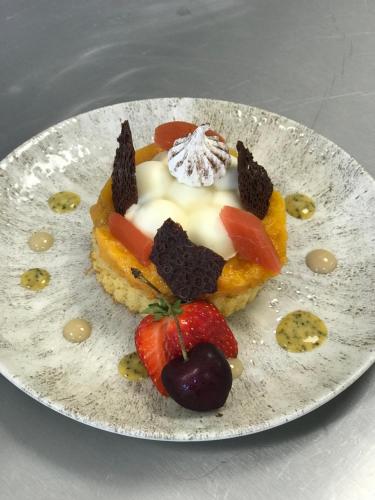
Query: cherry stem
(180,338)
(138,275)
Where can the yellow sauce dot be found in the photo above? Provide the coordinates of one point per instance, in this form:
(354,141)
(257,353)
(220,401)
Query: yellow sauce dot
(301,331)
(64,201)
(131,367)
(300,206)
(35,279)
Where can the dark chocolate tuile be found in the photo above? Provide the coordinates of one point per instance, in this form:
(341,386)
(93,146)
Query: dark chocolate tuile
(124,182)
(254,185)
(189,270)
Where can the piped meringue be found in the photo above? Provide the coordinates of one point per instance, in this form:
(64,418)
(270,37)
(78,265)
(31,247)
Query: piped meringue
(197,159)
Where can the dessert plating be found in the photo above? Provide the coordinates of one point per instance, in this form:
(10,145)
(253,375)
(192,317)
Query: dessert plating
(197,209)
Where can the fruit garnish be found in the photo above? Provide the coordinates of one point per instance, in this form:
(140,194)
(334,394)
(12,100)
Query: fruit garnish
(124,183)
(149,342)
(189,270)
(131,237)
(249,238)
(198,160)
(203,382)
(166,133)
(253,183)
(172,330)
(201,321)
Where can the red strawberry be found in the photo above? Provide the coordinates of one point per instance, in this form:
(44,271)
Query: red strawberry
(150,344)
(156,337)
(200,322)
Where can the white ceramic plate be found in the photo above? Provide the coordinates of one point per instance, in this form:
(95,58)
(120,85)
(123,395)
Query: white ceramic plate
(81,381)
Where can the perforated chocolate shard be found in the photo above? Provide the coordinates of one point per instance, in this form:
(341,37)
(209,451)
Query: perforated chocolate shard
(124,182)
(189,270)
(253,183)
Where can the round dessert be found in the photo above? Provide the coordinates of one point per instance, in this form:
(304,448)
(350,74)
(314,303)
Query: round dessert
(198,219)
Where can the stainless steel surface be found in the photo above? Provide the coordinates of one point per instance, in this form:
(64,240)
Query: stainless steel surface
(310,60)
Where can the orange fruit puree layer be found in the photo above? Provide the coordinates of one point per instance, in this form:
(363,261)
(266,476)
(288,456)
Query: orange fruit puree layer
(237,275)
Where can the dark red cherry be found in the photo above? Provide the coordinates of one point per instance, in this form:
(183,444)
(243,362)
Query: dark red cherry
(201,383)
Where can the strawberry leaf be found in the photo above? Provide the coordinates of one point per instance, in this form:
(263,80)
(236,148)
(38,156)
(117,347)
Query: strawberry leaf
(159,309)
(162,309)
(176,308)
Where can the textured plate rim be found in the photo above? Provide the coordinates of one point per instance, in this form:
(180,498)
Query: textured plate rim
(180,436)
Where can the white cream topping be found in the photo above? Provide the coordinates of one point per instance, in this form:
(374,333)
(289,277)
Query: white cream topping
(222,198)
(189,197)
(150,216)
(163,157)
(233,162)
(204,227)
(230,179)
(196,209)
(153,180)
(198,160)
